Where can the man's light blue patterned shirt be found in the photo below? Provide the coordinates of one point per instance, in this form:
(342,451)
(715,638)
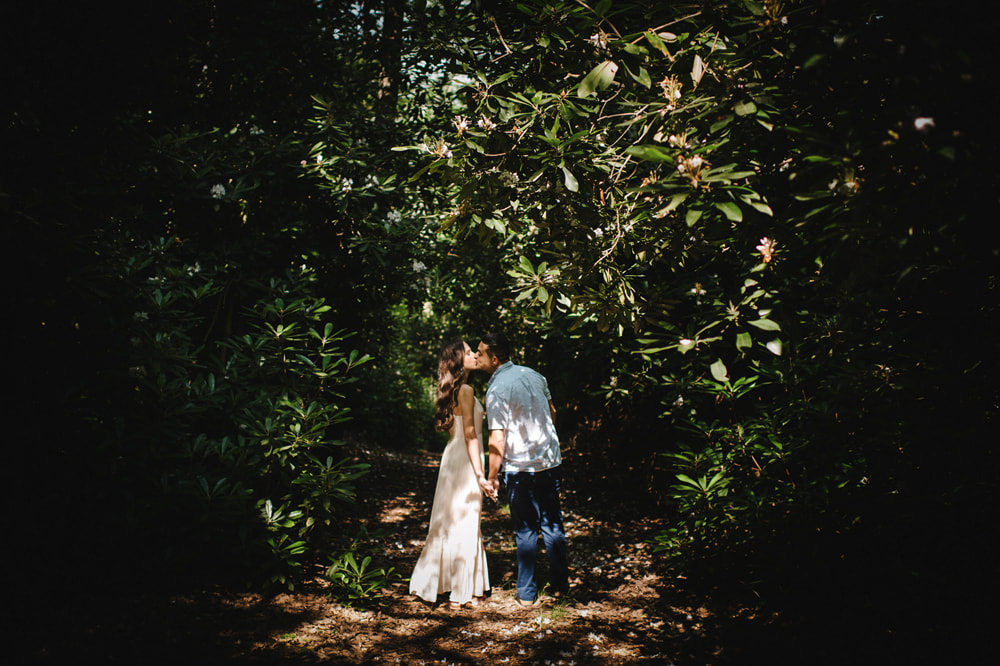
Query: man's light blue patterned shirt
(517,401)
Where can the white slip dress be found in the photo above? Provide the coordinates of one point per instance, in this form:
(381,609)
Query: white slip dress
(453,559)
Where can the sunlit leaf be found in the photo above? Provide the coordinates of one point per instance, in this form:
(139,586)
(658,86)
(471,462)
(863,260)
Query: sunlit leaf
(642,77)
(719,371)
(731,210)
(570,180)
(650,152)
(656,42)
(698,70)
(675,201)
(747,108)
(599,78)
(765,324)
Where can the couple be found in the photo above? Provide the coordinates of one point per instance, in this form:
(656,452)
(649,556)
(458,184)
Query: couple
(523,441)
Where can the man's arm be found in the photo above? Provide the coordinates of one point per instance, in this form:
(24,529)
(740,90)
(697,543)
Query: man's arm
(498,444)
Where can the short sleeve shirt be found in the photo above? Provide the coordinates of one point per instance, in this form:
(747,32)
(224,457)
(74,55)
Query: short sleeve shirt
(517,401)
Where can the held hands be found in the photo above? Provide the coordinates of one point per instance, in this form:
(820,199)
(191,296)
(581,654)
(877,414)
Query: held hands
(490,488)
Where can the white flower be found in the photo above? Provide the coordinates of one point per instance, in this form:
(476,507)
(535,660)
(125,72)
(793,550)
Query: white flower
(923,123)
(438,148)
(599,40)
(218,191)
(394,216)
(461,124)
(766,249)
(419,266)
(486,124)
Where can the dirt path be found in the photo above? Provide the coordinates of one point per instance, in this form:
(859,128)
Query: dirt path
(626,606)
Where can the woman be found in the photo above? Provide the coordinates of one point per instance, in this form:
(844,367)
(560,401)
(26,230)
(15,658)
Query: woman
(453,559)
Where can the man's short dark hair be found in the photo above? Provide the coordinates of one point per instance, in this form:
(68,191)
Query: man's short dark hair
(497,344)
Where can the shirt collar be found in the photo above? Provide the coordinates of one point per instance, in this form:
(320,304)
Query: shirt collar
(503,366)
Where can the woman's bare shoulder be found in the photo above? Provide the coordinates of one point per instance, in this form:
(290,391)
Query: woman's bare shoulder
(466,395)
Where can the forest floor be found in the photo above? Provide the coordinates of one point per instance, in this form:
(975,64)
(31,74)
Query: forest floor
(627,604)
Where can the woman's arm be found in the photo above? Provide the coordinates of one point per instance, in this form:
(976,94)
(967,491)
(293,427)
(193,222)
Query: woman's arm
(466,402)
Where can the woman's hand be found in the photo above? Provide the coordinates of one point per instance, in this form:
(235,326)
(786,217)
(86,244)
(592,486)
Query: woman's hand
(488,487)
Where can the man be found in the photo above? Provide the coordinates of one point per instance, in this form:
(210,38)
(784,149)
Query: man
(523,440)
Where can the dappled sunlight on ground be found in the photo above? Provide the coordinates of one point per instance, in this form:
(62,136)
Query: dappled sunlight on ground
(627,604)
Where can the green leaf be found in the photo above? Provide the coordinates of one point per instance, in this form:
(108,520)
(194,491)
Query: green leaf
(731,210)
(720,123)
(747,108)
(570,180)
(649,152)
(693,216)
(812,60)
(675,201)
(642,77)
(765,325)
(744,341)
(657,43)
(719,371)
(599,78)
(688,480)
(698,70)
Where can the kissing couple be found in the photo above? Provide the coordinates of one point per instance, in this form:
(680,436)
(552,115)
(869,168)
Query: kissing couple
(523,446)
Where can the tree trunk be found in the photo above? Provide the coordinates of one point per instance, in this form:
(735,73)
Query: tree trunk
(389,58)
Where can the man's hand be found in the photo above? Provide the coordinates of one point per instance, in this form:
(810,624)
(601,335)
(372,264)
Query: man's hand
(488,487)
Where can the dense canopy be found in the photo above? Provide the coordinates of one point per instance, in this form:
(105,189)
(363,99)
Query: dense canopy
(752,244)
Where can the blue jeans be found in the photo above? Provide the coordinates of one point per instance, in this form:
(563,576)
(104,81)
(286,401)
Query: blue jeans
(534,508)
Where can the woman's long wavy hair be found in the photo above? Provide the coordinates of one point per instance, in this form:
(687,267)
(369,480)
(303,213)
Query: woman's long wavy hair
(451,376)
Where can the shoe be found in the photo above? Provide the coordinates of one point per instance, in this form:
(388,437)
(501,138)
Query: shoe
(528,604)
